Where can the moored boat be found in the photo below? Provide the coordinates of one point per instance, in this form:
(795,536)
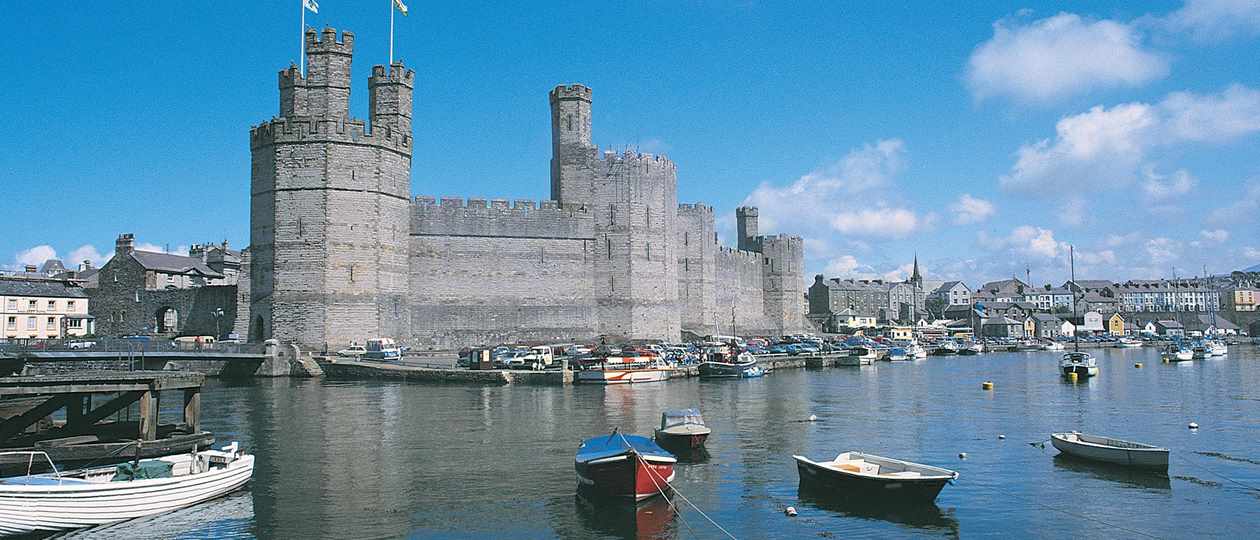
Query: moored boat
(1177,353)
(971,348)
(1109,450)
(1216,348)
(623,466)
(916,351)
(1053,346)
(867,476)
(61,501)
(898,354)
(1129,342)
(722,366)
(945,347)
(1080,363)
(682,429)
(858,356)
(625,370)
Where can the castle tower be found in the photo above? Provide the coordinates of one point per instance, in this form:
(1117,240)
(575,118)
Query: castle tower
(571,148)
(329,204)
(746,228)
(634,200)
(783,281)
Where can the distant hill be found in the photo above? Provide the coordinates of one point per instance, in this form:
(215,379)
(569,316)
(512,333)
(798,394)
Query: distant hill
(1255,268)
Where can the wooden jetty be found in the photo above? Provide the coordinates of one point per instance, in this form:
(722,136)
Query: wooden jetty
(87,434)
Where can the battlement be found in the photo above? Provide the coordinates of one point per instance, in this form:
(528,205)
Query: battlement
(571,92)
(397,74)
(320,129)
(456,216)
(736,253)
(697,208)
(326,42)
(610,163)
(746,211)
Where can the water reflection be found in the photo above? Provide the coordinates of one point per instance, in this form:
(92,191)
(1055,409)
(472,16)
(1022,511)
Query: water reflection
(692,455)
(652,518)
(916,516)
(1153,480)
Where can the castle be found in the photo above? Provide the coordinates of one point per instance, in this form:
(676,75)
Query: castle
(342,253)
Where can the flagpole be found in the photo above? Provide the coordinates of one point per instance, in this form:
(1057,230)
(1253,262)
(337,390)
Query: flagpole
(391,33)
(302,39)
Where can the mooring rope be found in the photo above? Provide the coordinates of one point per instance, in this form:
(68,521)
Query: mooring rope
(652,474)
(1244,485)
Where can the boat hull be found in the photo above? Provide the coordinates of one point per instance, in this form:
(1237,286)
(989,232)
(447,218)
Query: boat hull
(32,508)
(684,442)
(624,477)
(1142,458)
(723,370)
(622,376)
(837,484)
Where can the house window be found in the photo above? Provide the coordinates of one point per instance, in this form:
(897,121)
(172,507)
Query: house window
(52,305)
(75,323)
(30,305)
(12,304)
(12,323)
(52,323)
(69,305)
(30,323)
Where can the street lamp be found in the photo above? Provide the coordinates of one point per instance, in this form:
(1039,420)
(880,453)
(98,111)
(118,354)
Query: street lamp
(218,314)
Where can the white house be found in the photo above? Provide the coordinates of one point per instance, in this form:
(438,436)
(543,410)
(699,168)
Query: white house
(1093,322)
(1067,329)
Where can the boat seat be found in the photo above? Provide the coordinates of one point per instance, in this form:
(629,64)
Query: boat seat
(903,474)
(856,466)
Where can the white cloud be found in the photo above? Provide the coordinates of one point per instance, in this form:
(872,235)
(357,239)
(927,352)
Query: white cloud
(878,222)
(1251,253)
(1106,146)
(35,255)
(1215,20)
(87,252)
(1104,257)
(968,209)
(1060,56)
(181,249)
(1028,241)
(1162,249)
(1217,236)
(1117,240)
(1244,209)
(843,265)
(1157,188)
(1073,212)
(848,267)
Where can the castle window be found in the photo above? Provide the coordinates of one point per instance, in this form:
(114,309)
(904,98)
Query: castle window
(686,238)
(569,121)
(352,273)
(608,242)
(649,252)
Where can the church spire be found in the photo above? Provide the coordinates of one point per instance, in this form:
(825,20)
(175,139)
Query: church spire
(915,278)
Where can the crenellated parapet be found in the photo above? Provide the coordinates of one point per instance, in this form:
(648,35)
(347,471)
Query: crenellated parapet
(570,92)
(456,216)
(696,209)
(609,163)
(292,130)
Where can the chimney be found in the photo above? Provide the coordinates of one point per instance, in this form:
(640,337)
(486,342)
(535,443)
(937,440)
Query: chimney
(125,244)
(30,269)
(85,266)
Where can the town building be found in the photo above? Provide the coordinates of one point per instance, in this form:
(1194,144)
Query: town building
(1045,326)
(1050,299)
(1006,290)
(950,294)
(1116,325)
(1166,296)
(1170,328)
(43,308)
(1005,327)
(341,252)
(146,292)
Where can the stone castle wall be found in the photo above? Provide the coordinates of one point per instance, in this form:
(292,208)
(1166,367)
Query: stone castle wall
(486,273)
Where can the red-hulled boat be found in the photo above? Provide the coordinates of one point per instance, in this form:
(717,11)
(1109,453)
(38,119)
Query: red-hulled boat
(623,466)
(682,430)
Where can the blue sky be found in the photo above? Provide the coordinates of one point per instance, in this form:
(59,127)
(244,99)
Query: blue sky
(986,138)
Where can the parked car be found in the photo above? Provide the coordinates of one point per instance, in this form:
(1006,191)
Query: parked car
(81,344)
(353,351)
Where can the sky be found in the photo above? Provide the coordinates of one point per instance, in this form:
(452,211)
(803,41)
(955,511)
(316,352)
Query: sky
(984,138)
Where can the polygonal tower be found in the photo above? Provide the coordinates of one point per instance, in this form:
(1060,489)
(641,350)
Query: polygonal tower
(329,204)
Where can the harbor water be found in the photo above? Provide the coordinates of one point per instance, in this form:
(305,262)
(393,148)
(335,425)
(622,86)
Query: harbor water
(382,460)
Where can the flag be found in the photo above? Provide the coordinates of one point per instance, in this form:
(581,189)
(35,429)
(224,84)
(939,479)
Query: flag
(401,7)
(311,5)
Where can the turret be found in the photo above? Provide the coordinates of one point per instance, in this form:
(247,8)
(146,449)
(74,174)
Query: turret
(124,245)
(746,228)
(571,148)
(327,83)
(389,99)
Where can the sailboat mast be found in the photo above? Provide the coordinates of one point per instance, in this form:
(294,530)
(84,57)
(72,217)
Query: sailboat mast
(1076,332)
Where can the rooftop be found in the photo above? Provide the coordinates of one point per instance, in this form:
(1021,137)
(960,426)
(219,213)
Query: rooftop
(47,288)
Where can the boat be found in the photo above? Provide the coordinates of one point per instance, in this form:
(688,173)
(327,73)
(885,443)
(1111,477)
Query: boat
(623,466)
(682,429)
(625,370)
(867,476)
(1200,350)
(916,351)
(1216,348)
(971,348)
(1177,353)
(945,347)
(1109,450)
(1053,346)
(74,499)
(1129,342)
(858,356)
(1081,363)
(898,354)
(719,365)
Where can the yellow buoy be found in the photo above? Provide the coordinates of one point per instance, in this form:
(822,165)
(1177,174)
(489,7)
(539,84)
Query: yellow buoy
(1072,376)
(1138,365)
(986,385)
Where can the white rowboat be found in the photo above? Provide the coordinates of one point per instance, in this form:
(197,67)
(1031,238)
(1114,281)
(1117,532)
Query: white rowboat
(90,497)
(1109,450)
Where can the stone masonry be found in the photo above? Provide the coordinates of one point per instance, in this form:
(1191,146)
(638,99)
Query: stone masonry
(340,252)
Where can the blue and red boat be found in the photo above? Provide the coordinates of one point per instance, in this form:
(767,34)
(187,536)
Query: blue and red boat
(623,466)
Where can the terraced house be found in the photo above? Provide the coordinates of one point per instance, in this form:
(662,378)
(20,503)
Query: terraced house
(33,308)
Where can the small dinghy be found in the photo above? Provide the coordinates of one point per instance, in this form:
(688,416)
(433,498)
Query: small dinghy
(623,466)
(61,501)
(682,429)
(1109,450)
(867,476)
